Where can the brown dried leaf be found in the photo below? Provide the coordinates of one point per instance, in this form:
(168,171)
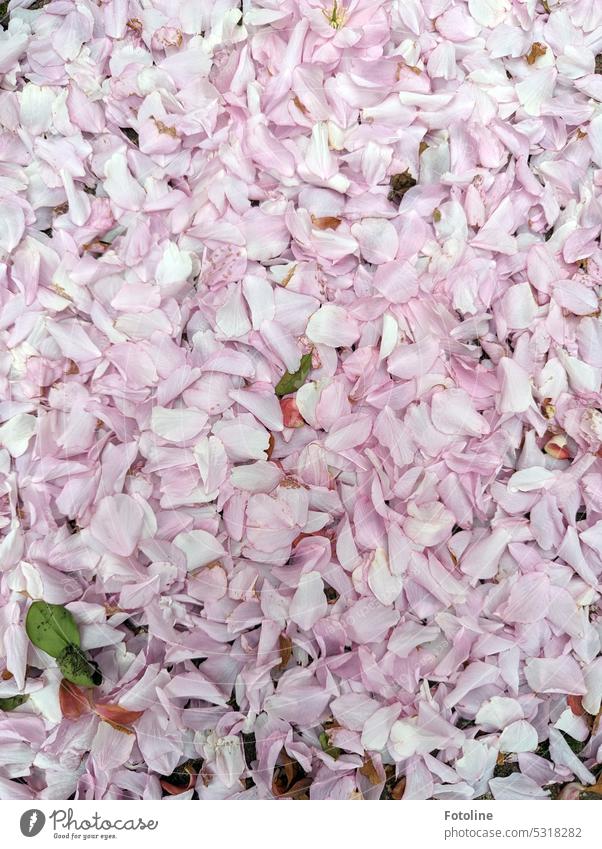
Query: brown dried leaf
(289,780)
(165,130)
(400,183)
(537,49)
(135,24)
(594,788)
(370,772)
(299,790)
(399,789)
(327,222)
(271,444)
(97,247)
(285,647)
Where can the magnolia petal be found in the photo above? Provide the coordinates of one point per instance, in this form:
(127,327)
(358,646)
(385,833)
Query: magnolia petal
(309,601)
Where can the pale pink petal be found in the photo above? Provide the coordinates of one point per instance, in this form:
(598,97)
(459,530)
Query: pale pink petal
(117,523)
(309,601)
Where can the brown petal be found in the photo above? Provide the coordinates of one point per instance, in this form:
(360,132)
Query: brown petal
(117,715)
(74,701)
(174,789)
(291,417)
(556,448)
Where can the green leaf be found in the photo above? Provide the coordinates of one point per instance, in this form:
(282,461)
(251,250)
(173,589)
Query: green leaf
(51,627)
(334,751)
(12,702)
(76,667)
(291,382)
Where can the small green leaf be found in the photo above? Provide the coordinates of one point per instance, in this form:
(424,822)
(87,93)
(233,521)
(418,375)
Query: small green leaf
(12,702)
(334,751)
(51,627)
(76,667)
(291,382)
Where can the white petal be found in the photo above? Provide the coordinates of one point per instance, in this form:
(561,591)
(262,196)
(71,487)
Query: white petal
(536,89)
(120,186)
(199,547)
(452,412)
(309,602)
(385,586)
(498,712)
(405,738)
(232,318)
(12,226)
(229,760)
(177,425)
(36,108)
(519,736)
(377,238)
(389,336)
(333,327)
(174,266)
(535,477)
(582,377)
(488,13)
(16,433)
(515,387)
(378,727)
(518,306)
